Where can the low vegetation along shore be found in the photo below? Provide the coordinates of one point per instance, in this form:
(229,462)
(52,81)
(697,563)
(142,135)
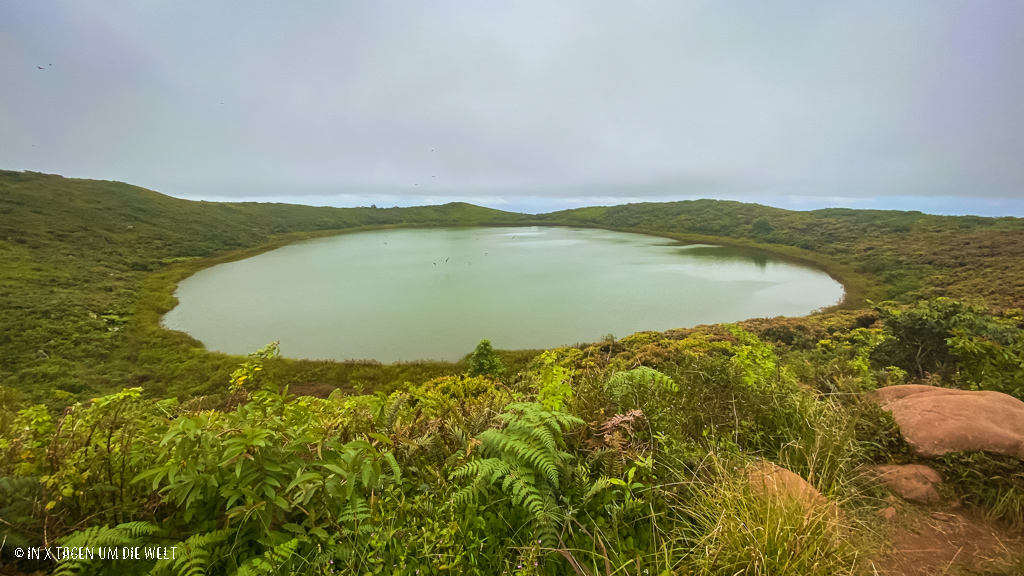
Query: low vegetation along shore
(766,447)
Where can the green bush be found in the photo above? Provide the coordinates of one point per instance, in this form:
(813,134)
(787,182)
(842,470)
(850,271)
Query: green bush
(485,361)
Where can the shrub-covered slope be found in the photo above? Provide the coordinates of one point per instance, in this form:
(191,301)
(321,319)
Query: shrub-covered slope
(629,456)
(87,268)
(76,312)
(882,254)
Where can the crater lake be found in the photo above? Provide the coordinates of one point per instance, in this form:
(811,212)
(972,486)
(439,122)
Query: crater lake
(409,294)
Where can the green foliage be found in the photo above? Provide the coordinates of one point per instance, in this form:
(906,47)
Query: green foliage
(555,382)
(87,268)
(736,531)
(247,375)
(467,402)
(484,361)
(995,483)
(842,364)
(130,534)
(991,361)
(91,457)
(902,256)
(528,460)
(421,478)
(917,336)
(629,462)
(823,446)
(25,449)
(639,386)
(757,362)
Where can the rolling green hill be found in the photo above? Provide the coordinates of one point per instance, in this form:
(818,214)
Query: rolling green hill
(76,256)
(879,254)
(88,267)
(631,455)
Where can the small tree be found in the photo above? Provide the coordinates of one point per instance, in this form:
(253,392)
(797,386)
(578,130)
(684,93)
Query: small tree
(485,361)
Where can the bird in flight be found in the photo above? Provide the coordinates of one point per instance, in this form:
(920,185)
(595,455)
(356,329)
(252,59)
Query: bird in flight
(446,259)
(40,67)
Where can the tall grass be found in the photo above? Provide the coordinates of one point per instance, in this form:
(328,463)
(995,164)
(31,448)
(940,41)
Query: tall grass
(730,528)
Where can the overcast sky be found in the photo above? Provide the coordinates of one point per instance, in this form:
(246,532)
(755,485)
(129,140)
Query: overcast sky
(502,100)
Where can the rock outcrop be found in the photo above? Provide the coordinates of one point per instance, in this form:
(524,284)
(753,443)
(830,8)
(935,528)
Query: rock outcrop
(936,421)
(770,480)
(913,482)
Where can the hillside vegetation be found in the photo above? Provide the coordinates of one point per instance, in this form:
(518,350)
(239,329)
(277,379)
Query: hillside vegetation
(628,456)
(80,303)
(88,267)
(880,254)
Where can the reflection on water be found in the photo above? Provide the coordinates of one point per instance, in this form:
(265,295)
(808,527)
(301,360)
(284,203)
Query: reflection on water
(413,294)
(726,254)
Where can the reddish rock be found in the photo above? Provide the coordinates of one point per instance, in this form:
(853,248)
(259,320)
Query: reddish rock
(914,482)
(936,421)
(888,513)
(768,479)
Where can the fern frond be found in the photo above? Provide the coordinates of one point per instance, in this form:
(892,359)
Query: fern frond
(636,382)
(194,553)
(607,460)
(600,484)
(625,421)
(526,462)
(130,534)
(273,561)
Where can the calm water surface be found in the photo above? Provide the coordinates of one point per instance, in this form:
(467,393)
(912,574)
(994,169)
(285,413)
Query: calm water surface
(434,293)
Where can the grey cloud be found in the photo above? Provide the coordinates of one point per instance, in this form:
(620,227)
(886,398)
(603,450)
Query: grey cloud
(500,99)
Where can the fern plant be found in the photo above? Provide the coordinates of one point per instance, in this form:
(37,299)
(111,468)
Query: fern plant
(527,460)
(130,535)
(638,387)
(198,554)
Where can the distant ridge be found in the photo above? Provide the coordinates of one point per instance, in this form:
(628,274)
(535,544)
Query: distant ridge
(87,267)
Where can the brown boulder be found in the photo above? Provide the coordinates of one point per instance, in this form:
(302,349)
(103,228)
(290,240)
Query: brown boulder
(768,479)
(914,482)
(936,421)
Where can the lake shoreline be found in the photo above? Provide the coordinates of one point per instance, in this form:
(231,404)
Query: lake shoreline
(737,253)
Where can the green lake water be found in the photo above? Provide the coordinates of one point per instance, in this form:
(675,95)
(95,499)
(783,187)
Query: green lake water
(434,293)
